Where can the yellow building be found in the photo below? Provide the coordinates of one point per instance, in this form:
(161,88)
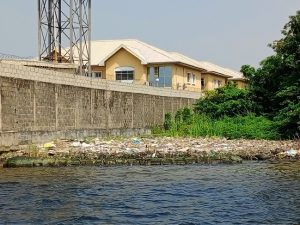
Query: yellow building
(217,76)
(133,61)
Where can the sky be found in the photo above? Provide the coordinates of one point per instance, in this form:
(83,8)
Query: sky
(230,33)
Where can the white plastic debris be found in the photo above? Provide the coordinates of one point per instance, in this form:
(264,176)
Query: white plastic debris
(85,145)
(291,152)
(76,144)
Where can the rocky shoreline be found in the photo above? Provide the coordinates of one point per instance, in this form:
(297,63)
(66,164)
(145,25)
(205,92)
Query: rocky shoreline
(147,151)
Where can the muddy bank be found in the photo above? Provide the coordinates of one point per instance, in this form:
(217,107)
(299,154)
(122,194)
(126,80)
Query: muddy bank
(147,151)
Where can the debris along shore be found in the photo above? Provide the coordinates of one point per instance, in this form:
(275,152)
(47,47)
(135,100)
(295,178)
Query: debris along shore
(147,151)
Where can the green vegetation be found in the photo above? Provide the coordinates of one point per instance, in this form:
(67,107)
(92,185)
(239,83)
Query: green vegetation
(268,109)
(200,125)
(226,101)
(275,85)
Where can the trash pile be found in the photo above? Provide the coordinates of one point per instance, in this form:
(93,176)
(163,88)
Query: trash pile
(148,151)
(169,146)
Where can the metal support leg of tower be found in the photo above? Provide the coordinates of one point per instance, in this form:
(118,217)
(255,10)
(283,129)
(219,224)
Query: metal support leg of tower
(64,32)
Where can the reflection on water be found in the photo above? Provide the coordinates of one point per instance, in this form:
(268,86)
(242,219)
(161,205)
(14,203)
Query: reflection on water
(249,193)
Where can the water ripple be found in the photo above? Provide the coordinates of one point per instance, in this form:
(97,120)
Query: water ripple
(249,193)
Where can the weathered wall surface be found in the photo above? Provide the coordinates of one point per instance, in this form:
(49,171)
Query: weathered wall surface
(38,105)
(209,81)
(180,78)
(124,58)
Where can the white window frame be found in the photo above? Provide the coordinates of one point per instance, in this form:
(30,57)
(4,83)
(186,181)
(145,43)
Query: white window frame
(193,79)
(217,83)
(125,69)
(95,76)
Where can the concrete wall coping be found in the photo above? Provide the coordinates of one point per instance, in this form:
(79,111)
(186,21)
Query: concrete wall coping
(41,64)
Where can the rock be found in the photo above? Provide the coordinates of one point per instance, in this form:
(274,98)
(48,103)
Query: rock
(183,149)
(97,141)
(277,151)
(51,152)
(262,156)
(14,148)
(4,149)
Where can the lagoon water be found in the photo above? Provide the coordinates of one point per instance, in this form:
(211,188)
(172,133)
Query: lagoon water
(248,193)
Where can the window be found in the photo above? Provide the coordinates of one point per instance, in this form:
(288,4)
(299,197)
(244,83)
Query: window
(191,78)
(148,70)
(156,71)
(124,73)
(97,74)
(189,75)
(202,82)
(217,83)
(160,76)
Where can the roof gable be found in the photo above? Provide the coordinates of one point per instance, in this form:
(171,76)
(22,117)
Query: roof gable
(131,51)
(102,50)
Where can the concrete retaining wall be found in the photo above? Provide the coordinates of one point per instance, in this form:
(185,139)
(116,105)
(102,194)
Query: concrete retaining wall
(38,105)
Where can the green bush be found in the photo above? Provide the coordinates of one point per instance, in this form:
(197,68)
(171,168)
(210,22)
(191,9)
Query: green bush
(168,121)
(186,115)
(226,101)
(179,116)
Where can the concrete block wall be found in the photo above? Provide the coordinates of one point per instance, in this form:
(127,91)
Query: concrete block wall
(38,105)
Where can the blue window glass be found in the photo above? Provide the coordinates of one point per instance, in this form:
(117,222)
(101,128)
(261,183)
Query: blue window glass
(160,76)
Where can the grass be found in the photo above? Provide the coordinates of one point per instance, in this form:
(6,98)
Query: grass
(247,127)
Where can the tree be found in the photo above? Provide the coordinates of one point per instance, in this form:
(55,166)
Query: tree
(275,86)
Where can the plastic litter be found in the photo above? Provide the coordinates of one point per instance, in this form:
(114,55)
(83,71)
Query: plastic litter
(85,145)
(79,144)
(76,144)
(136,141)
(49,145)
(291,152)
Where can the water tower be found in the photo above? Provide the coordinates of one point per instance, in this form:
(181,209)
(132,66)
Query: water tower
(64,34)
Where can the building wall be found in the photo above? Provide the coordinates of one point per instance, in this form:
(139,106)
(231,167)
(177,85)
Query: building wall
(240,83)
(209,81)
(39,105)
(101,69)
(180,81)
(123,59)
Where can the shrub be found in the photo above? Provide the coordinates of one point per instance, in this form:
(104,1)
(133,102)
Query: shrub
(226,101)
(168,121)
(186,115)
